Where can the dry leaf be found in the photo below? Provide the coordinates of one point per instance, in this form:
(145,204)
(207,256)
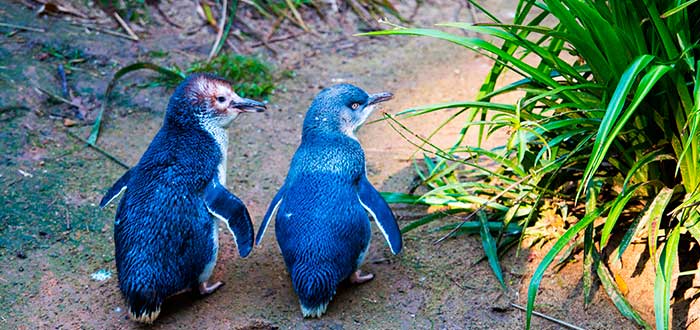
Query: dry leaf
(53,8)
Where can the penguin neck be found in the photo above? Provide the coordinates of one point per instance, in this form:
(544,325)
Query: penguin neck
(312,135)
(220,135)
(323,126)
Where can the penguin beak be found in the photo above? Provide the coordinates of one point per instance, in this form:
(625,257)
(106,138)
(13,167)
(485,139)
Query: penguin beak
(248,105)
(379,97)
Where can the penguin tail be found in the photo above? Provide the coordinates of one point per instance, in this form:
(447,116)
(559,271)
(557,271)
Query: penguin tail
(315,311)
(315,288)
(143,307)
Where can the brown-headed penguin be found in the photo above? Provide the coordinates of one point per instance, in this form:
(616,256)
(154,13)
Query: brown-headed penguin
(165,230)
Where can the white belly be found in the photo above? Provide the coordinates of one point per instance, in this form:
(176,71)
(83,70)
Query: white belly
(209,267)
(221,137)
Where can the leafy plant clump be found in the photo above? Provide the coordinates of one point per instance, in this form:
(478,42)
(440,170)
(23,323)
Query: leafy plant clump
(610,117)
(251,77)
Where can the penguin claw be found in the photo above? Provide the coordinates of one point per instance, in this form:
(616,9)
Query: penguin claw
(359,277)
(206,289)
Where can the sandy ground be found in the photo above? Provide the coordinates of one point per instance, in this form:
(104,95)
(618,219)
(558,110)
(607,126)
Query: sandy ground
(54,236)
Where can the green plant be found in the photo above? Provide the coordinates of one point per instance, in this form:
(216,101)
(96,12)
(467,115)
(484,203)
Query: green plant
(611,106)
(251,77)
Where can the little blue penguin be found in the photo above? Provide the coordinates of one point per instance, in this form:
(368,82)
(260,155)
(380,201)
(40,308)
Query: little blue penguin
(322,223)
(165,232)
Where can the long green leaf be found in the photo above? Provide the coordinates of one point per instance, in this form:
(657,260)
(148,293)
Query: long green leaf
(95,132)
(490,248)
(664,276)
(653,216)
(430,218)
(401,198)
(567,237)
(612,122)
(618,206)
(451,105)
(588,248)
(610,286)
(678,8)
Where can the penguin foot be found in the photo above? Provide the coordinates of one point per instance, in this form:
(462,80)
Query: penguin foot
(206,289)
(359,277)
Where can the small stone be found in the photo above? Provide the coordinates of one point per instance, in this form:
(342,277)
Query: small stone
(67,122)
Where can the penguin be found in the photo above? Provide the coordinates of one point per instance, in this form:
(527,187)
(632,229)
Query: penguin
(322,210)
(165,228)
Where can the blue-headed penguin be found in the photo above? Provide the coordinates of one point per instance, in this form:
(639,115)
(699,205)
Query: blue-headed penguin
(322,210)
(165,229)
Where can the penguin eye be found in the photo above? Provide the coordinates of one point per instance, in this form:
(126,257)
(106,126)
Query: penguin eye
(355,105)
(221,99)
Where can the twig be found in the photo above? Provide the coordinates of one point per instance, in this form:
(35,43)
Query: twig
(126,27)
(220,32)
(297,15)
(461,286)
(64,82)
(549,318)
(282,38)
(68,222)
(274,27)
(98,149)
(165,17)
(21,27)
(362,13)
(55,97)
(249,30)
(110,32)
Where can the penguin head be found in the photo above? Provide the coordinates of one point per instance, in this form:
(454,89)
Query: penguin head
(343,108)
(208,100)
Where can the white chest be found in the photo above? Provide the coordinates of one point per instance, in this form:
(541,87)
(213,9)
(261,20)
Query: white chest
(221,137)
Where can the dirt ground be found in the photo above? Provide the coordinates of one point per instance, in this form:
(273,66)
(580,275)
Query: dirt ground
(54,238)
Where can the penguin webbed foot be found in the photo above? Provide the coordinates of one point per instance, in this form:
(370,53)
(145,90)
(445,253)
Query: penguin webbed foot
(359,277)
(205,289)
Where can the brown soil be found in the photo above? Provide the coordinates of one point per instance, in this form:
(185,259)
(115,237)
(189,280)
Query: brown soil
(54,237)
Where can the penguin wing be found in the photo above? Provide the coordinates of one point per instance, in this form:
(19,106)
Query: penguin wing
(271,210)
(117,188)
(228,208)
(373,202)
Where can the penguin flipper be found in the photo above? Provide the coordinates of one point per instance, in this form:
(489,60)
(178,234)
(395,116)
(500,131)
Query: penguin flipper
(271,210)
(224,205)
(116,189)
(373,202)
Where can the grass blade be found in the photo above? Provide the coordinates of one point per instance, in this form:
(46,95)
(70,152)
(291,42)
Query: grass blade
(490,248)
(653,216)
(94,133)
(616,210)
(430,218)
(559,245)
(678,8)
(611,288)
(612,123)
(664,276)
(612,112)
